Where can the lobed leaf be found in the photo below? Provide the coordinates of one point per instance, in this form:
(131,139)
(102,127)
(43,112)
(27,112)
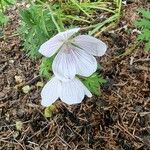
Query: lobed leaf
(143,23)
(94,82)
(36,27)
(46,67)
(145,13)
(147,46)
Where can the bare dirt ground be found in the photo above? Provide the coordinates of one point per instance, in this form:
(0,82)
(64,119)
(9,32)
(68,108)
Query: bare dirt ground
(119,119)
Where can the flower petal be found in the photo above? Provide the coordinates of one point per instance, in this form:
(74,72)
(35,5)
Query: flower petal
(91,45)
(86,64)
(73,91)
(68,33)
(64,65)
(51,46)
(51,92)
(86,91)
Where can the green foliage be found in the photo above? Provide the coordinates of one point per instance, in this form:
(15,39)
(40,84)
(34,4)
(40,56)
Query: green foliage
(3,19)
(43,19)
(94,82)
(144,25)
(36,27)
(46,67)
(4,4)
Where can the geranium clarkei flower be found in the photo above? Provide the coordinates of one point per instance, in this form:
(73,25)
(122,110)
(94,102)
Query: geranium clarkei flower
(75,55)
(71,91)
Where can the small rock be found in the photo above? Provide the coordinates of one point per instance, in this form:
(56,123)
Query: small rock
(2,94)
(26,89)
(39,84)
(36,148)
(18,79)
(49,111)
(7,116)
(19,125)
(16,134)
(11,61)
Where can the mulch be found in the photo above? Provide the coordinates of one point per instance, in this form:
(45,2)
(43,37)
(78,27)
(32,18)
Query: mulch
(118,119)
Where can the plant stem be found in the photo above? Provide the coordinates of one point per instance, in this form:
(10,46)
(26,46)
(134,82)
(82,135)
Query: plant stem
(2,7)
(45,29)
(51,13)
(129,50)
(74,2)
(100,25)
(31,2)
(53,19)
(118,5)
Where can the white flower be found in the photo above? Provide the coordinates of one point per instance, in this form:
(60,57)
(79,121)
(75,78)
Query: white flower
(71,91)
(75,54)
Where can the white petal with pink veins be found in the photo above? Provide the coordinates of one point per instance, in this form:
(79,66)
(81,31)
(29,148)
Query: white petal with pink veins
(71,61)
(67,34)
(73,91)
(51,91)
(85,64)
(64,65)
(51,46)
(91,45)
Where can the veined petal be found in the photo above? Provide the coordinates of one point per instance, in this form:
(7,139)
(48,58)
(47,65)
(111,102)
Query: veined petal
(51,46)
(51,92)
(86,91)
(73,91)
(64,64)
(85,64)
(68,33)
(90,45)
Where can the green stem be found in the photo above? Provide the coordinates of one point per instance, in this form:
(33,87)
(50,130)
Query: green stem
(53,19)
(31,2)
(73,1)
(60,21)
(45,29)
(118,5)
(51,13)
(101,8)
(2,7)
(100,25)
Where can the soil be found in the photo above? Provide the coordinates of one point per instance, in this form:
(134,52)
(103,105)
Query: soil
(119,119)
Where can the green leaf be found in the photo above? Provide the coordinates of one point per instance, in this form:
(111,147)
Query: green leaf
(3,19)
(147,46)
(146,33)
(93,83)
(143,23)
(9,2)
(145,13)
(141,37)
(27,17)
(46,67)
(36,28)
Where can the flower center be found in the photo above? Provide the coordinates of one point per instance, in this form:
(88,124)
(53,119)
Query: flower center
(66,47)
